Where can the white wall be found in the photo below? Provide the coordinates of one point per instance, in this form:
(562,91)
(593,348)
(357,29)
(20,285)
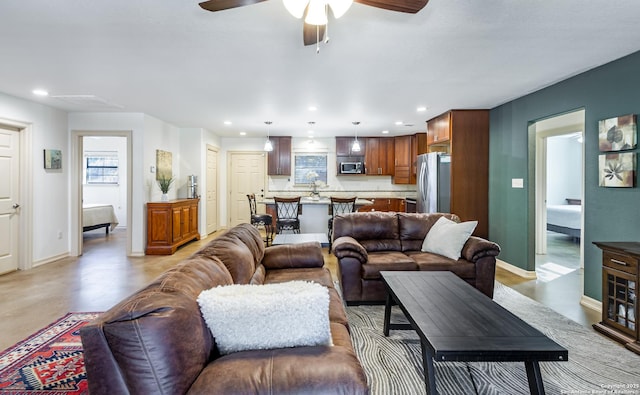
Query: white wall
(564,169)
(50,205)
(115,195)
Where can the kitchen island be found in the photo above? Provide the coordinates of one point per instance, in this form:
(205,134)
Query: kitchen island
(313,213)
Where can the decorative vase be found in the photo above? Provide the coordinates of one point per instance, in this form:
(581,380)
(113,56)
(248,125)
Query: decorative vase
(164,197)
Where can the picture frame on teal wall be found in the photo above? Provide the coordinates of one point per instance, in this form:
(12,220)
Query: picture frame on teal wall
(618,170)
(618,133)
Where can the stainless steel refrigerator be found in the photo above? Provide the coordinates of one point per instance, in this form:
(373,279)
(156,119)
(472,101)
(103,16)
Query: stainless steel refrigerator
(433,183)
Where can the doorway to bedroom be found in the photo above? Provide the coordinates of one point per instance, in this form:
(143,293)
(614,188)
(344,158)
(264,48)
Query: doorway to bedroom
(559,200)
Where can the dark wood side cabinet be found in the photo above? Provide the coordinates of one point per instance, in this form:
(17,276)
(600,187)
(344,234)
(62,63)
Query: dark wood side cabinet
(279,160)
(379,156)
(170,225)
(619,293)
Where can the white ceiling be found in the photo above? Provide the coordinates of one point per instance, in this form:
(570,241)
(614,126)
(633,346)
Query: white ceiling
(193,68)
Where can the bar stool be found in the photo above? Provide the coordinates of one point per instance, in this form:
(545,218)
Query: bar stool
(287,210)
(339,206)
(264,220)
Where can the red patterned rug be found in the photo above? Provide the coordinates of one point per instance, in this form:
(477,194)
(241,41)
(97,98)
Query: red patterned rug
(49,362)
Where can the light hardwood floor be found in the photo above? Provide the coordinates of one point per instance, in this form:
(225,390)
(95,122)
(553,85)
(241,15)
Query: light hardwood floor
(104,275)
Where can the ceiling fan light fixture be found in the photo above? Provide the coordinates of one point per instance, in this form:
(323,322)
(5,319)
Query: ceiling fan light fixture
(339,7)
(296,7)
(316,14)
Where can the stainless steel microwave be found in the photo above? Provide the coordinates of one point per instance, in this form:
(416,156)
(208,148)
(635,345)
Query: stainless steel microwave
(351,168)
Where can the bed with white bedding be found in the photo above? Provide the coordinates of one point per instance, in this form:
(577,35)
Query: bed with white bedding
(564,218)
(96,216)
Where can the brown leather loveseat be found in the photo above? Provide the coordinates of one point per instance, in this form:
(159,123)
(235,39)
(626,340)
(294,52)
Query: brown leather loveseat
(367,243)
(157,342)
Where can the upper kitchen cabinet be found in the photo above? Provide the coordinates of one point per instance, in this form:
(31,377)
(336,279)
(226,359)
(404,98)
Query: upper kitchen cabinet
(279,160)
(467,141)
(439,130)
(379,156)
(344,146)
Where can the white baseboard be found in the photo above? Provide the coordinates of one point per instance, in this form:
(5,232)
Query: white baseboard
(50,259)
(591,303)
(516,270)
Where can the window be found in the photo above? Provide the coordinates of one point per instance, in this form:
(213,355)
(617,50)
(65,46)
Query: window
(310,168)
(102,167)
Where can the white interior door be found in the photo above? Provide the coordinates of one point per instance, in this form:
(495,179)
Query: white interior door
(212,190)
(9,199)
(246,175)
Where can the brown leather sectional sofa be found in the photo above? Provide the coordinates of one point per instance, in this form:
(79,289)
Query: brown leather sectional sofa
(367,243)
(156,341)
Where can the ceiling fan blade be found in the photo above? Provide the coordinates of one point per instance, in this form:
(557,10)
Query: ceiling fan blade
(311,35)
(219,5)
(409,6)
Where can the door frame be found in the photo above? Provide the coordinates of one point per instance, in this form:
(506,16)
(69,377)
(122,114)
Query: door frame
(541,181)
(76,185)
(215,149)
(25,223)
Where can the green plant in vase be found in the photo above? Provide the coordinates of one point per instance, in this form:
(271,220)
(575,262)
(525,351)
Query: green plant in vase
(165,184)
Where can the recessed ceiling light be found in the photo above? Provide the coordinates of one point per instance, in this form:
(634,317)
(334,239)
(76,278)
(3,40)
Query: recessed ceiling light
(399,122)
(421,109)
(313,108)
(385,132)
(243,133)
(40,92)
(227,122)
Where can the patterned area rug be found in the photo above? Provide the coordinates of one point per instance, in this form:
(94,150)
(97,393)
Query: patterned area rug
(597,365)
(49,362)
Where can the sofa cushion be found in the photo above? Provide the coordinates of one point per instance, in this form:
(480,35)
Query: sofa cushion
(427,261)
(447,237)
(414,227)
(260,317)
(300,370)
(376,231)
(389,260)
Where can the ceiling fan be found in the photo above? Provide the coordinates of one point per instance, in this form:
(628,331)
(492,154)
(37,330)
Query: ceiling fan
(315,11)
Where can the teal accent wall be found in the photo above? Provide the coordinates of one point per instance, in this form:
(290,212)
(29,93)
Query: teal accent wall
(611,214)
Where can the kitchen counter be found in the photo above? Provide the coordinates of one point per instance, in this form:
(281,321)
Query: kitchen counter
(314,213)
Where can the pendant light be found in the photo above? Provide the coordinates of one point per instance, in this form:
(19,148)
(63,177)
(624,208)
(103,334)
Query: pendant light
(356,144)
(267,145)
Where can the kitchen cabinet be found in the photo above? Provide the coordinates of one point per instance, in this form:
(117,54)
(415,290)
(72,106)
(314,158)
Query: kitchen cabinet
(439,129)
(379,156)
(170,225)
(279,160)
(344,145)
(403,158)
(384,204)
(619,293)
(467,141)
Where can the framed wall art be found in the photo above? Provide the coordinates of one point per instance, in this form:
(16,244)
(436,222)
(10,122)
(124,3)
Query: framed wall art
(618,170)
(52,159)
(617,134)
(164,165)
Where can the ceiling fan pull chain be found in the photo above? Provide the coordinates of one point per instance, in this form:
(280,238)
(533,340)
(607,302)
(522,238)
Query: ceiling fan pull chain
(326,31)
(317,39)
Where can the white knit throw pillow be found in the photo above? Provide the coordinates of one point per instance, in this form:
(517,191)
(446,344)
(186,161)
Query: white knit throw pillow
(256,317)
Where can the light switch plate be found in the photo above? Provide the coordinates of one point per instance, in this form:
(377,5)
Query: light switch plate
(517,183)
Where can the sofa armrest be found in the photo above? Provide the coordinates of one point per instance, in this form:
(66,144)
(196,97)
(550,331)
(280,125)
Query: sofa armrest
(476,248)
(347,246)
(289,256)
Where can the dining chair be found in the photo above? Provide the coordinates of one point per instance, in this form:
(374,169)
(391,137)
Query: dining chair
(339,206)
(258,220)
(287,211)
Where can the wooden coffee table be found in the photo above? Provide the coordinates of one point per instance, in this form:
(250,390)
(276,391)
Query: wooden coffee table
(456,322)
(297,238)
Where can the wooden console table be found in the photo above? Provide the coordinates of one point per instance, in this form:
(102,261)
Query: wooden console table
(170,225)
(619,293)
